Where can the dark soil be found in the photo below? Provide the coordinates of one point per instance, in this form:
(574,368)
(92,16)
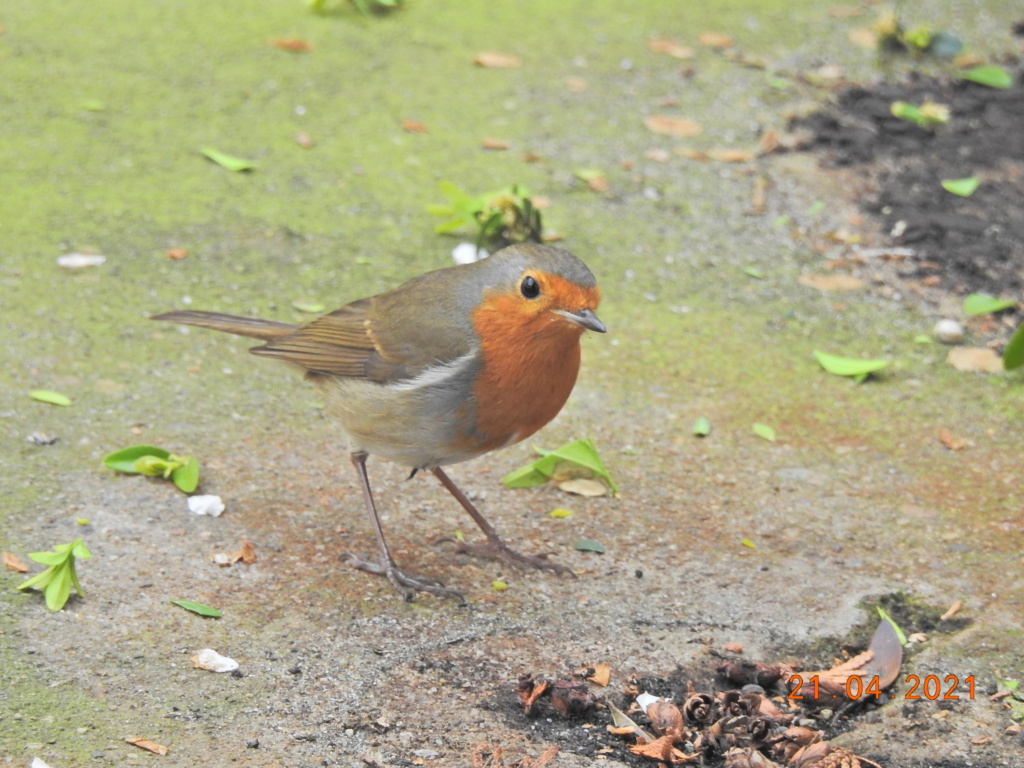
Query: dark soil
(974,244)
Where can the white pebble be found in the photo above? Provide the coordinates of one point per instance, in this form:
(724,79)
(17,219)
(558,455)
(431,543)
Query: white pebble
(948,331)
(213,661)
(206,505)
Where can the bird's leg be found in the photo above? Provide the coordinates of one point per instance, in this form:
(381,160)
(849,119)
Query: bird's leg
(495,548)
(388,567)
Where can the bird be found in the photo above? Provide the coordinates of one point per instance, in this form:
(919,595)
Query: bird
(453,364)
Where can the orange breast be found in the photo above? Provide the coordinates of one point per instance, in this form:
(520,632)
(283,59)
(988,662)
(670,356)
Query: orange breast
(530,364)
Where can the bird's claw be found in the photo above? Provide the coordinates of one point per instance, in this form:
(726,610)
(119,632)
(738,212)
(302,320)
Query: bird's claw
(496,549)
(402,581)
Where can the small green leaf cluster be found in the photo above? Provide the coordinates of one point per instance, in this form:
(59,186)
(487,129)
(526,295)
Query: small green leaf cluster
(500,218)
(928,115)
(151,461)
(58,578)
(581,454)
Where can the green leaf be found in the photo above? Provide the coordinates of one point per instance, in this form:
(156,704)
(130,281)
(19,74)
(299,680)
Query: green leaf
(580,453)
(748,543)
(702,427)
(983,304)
(200,608)
(48,396)
(561,513)
(963,187)
(763,430)
(588,545)
(991,75)
(186,477)
(153,466)
(849,366)
(124,459)
(884,615)
(923,338)
(227,161)
(311,307)
(56,581)
(1013,355)
(499,585)
(754,272)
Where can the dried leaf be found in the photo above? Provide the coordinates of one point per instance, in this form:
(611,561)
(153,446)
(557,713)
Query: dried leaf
(732,155)
(529,691)
(248,552)
(951,611)
(733,647)
(497,60)
(975,359)
(662,749)
(715,40)
(949,440)
(690,153)
(13,563)
(671,47)
(414,126)
(494,144)
(665,125)
(146,744)
(176,254)
(602,675)
(582,486)
(291,44)
(831,283)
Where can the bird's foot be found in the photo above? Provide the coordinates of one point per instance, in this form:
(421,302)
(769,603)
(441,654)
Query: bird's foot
(496,549)
(402,581)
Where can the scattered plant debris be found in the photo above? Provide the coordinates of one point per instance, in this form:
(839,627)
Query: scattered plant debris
(60,575)
(148,745)
(739,728)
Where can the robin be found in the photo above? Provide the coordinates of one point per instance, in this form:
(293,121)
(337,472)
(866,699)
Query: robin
(449,366)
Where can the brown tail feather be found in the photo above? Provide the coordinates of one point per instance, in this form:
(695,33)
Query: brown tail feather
(253,327)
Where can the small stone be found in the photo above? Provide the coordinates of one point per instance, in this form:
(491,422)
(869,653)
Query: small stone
(252,744)
(948,331)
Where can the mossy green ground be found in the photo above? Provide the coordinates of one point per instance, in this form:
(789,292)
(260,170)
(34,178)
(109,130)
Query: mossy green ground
(104,109)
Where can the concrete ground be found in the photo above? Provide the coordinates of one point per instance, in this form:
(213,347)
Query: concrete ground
(857,499)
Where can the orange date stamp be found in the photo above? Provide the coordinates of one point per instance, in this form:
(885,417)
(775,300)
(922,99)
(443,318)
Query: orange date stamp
(856,687)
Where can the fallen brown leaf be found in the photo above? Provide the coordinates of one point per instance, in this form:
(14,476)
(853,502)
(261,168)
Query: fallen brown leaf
(494,144)
(583,486)
(662,749)
(951,611)
(975,359)
(831,283)
(146,744)
(733,647)
(497,60)
(13,563)
(292,44)
(844,11)
(768,142)
(413,126)
(731,155)
(671,47)
(176,254)
(758,197)
(690,153)
(949,440)
(980,740)
(602,675)
(664,125)
(715,40)
(248,552)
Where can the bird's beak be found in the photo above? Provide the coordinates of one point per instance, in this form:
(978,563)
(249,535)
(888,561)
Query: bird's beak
(585,318)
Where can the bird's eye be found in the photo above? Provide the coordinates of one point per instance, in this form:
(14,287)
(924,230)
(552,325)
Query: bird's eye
(530,288)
